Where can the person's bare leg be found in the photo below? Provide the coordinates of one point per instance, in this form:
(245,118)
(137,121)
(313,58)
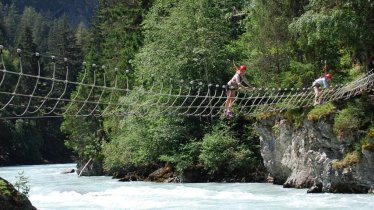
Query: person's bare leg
(231,101)
(316,95)
(227,103)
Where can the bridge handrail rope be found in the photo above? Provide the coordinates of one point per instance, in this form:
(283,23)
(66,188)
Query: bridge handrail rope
(33,91)
(111,93)
(46,97)
(63,92)
(189,99)
(18,81)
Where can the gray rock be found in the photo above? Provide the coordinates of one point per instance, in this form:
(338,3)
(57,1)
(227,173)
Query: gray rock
(302,158)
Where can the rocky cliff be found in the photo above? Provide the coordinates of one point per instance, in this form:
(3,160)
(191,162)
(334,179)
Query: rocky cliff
(311,155)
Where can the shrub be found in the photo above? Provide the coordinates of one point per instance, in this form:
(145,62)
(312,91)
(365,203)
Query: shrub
(370,133)
(295,117)
(4,188)
(366,142)
(347,120)
(320,112)
(265,115)
(222,154)
(349,159)
(186,157)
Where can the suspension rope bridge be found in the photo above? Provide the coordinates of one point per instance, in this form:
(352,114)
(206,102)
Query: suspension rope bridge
(53,93)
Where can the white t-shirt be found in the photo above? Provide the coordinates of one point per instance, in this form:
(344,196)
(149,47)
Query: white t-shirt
(236,80)
(321,81)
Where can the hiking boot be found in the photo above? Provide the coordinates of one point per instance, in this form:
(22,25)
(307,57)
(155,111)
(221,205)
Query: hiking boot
(230,114)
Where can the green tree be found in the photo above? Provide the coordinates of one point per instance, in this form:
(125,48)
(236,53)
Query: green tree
(185,39)
(33,20)
(11,18)
(82,36)
(266,44)
(114,39)
(336,32)
(27,46)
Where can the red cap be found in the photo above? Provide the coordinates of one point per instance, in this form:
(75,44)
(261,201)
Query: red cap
(329,76)
(242,68)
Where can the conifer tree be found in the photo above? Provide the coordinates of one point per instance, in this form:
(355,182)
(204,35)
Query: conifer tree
(27,46)
(11,19)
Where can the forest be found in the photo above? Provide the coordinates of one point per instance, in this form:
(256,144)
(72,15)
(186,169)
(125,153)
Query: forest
(284,43)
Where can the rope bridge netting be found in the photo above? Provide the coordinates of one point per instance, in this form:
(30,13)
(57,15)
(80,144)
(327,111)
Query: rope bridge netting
(48,90)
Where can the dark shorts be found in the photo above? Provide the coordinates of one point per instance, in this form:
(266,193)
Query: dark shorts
(317,85)
(228,87)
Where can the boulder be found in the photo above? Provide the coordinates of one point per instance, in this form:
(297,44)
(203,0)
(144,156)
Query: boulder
(68,171)
(11,199)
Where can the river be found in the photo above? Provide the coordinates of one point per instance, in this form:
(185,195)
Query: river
(52,190)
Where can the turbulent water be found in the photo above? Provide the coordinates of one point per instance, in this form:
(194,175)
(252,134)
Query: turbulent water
(52,190)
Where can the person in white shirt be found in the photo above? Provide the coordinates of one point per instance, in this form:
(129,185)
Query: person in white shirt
(237,81)
(322,81)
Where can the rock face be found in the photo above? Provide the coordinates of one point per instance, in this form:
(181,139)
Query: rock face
(303,157)
(11,199)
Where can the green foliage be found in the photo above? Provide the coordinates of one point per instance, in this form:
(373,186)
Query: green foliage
(62,42)
(349,159)
(139,141)
(266,42)
(370,132)
(185,39)
(320,112)
(265,115)
(32,140)
(4,190)
(298,74)
(10,19)
(84,138)
(222,154)
(295,117)
(186,157)
(346,121)
(367,142)
(282,42)
(22,183)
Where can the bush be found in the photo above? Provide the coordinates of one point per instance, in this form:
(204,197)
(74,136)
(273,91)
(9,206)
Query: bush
(147,139)
(346,121)
(320,112)
(349,159)
(221,153)
(295,117)
(186,157)
(367,142)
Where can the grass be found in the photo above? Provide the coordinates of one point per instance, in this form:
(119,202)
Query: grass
(295,117)
(265,115)
(321,112)
(350,159)
(4,191)
(346,121)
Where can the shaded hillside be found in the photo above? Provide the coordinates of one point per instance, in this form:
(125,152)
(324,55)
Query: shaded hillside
(76,10)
